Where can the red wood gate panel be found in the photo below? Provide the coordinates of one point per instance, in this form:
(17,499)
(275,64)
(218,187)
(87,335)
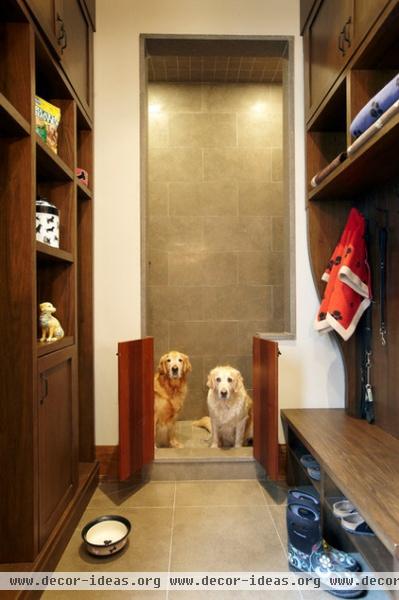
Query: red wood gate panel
(265,392)
(136,405)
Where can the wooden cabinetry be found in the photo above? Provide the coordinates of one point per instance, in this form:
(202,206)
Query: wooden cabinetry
(67,25)
(57,436)
(47,426)
(328,47)
(368,180)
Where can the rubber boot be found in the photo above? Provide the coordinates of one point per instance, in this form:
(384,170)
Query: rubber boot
(309,553)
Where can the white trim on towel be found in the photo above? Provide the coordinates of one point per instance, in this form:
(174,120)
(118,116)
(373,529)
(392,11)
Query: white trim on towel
(346,275)
(346,333)
(325,276)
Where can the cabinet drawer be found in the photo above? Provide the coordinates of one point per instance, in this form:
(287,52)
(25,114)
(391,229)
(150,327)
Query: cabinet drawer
(328,46)
(57,427)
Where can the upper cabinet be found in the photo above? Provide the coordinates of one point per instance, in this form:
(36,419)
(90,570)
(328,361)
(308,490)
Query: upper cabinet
(328,46)
(365,13)
(68,26)
(333,30)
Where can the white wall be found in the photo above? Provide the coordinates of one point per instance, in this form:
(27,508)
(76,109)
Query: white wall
(311,373)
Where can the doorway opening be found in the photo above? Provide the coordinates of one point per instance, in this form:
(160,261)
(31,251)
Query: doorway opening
(217,209)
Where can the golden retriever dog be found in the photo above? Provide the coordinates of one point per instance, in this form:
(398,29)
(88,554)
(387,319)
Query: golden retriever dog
(230,408)
(170,391)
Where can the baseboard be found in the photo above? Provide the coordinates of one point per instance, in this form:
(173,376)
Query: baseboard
(108,458)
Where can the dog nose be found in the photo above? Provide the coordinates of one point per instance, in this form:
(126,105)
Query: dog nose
(223,393)
(175,369)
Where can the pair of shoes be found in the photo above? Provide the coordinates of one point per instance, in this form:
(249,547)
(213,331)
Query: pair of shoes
(308,552)
(311,465)
(351,520)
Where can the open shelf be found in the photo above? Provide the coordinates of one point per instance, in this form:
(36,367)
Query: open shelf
(375,162)
(12,123)
(84,193)
(297,456)
(44,348)
(49,253)
(49,165)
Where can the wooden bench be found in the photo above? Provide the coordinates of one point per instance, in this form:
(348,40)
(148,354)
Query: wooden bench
(358,461)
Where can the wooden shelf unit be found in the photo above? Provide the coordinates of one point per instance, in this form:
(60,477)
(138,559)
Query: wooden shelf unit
(368,180)
(43,380)
(357,462)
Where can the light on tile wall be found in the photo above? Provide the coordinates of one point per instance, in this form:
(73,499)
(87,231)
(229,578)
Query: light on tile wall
(154,108)
(259,108)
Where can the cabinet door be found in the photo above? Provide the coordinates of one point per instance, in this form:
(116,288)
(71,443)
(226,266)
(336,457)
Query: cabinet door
(44,12)
(76,49)
(57,435)
(265,394)
(328,47)
(136,405)
(366,12)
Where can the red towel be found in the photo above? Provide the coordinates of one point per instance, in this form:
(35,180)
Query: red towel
(348,291)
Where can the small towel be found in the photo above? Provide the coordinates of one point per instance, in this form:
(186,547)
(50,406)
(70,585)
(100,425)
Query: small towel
(372,130)
(348,291)
(318,178)
(375,107)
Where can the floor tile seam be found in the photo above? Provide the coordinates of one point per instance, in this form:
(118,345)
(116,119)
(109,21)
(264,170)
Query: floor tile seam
(277,532)
(171,536)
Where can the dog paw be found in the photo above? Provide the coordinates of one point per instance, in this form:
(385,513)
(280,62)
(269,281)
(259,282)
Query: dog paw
(176,444)
(214,445)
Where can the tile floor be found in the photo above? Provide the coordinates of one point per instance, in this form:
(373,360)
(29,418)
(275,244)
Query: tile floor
(189,526)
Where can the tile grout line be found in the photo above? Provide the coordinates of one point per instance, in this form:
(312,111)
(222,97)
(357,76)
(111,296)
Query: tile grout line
(171,536)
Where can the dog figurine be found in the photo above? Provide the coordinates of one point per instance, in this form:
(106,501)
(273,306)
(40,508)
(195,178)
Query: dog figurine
(50,326)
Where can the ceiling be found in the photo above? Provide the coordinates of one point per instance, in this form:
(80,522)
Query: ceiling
(210,61)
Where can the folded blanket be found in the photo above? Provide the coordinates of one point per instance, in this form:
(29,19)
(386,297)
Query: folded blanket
(348,290)
(391,112)
(318,178)
(375,107)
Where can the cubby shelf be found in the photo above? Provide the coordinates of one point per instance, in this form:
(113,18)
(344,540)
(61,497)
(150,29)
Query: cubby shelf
(84,193)
(12,123)
(49,253)
(49,165)
(375,162)
(44,348)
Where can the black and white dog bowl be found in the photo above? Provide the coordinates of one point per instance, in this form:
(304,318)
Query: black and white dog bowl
(106,535)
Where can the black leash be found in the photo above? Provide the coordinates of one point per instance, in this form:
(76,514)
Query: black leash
(383,242)
(368,398)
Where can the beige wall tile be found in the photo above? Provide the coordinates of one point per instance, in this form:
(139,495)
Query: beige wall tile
(278,234)
(172,97)
(240,234)
(175,164)
(202,130)
(175,303)
(237,302)
(157,268)
(158,129)
(175,234)
(278,303)
(204,337)
(261,268)
(261,198)
(159,330)
(277,160)
(237,163)
(204,198)
(203,268)
(248,329)
(158,198)
(234,98)
(259,130)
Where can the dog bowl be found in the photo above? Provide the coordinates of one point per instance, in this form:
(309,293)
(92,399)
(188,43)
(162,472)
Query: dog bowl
(106,535)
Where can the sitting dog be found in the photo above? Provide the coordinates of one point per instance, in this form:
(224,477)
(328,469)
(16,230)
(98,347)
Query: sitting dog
(51,327)
(170,391)
(230,408)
